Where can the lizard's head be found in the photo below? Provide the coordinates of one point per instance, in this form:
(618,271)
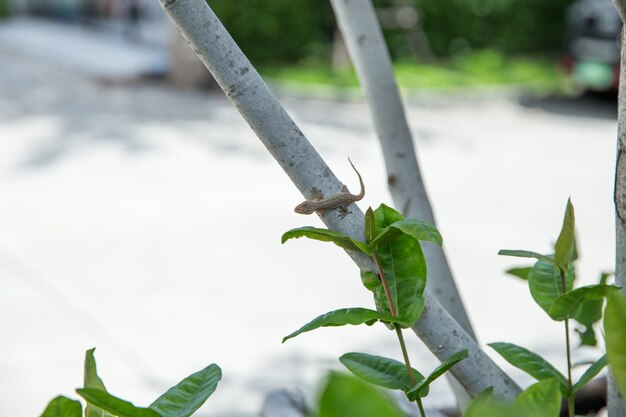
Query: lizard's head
(306,207)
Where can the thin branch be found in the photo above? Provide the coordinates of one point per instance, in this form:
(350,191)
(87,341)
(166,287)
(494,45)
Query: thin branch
(304,166)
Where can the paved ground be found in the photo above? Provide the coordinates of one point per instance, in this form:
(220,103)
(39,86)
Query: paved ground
(146,222)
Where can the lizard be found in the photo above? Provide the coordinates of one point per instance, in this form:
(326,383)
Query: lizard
(341,200)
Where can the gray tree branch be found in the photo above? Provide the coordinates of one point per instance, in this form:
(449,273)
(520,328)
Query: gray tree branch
(304,166)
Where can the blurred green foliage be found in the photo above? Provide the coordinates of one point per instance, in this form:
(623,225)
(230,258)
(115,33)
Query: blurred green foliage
(4,8)
(510,26)
(278,31)
(480,68)
(287,31)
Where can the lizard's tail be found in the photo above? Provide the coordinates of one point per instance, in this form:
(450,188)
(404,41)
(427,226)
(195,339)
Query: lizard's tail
(362,193)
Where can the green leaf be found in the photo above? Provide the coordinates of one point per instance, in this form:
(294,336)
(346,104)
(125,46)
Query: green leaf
(587,335)
(440,370)
(341,317)
(568,305)
(370,225)
(114,405)
(404,269)
(530,362)
(419,230)
(380,371)
(346,396)
(590,313)
(370,280)
(525,254)
(326,235)
(483,405)
(63,407)
(520,272)
(564,248)
(615,333)
(542,399)
(544,281)
(90,374)
(590,373)
(183,399)
(91,380)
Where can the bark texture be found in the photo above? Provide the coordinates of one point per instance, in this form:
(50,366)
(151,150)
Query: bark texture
(615,401)
(288,145)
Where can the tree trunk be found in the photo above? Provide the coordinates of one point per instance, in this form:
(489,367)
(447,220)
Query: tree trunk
(615,401)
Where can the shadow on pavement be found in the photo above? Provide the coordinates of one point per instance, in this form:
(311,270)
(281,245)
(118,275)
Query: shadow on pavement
(593,105)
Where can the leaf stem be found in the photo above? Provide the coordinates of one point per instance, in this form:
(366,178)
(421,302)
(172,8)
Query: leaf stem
(418,400)
(568,345)
(407,362)
(405,354)
(394,313)
(379,266)
(569,370)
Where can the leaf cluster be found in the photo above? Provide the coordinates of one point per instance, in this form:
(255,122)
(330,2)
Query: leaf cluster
(542,399)
(182,400)
(398,284)
(551,283)
(394,244)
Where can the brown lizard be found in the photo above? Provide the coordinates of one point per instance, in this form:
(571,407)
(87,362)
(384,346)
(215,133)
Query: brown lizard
(341,200)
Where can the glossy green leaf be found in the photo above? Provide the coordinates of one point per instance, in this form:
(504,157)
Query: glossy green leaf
(183,399)
(404,269)
(326,235)
(593,370)
(346,396)
(615,334)
(530,362)
(353,316)
(520,272)
(419,230)
(564,248)
(544,281)
(379,370)
(542,399)
(568,305)
(525,254)
(91,380)
(63,407)
(114,405)
(440,370)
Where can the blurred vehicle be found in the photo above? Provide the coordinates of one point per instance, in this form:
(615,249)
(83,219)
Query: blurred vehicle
(593,45)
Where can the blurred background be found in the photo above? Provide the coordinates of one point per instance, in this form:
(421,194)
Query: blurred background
(140,215)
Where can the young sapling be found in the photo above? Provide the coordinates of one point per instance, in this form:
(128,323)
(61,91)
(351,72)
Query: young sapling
(397,285)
